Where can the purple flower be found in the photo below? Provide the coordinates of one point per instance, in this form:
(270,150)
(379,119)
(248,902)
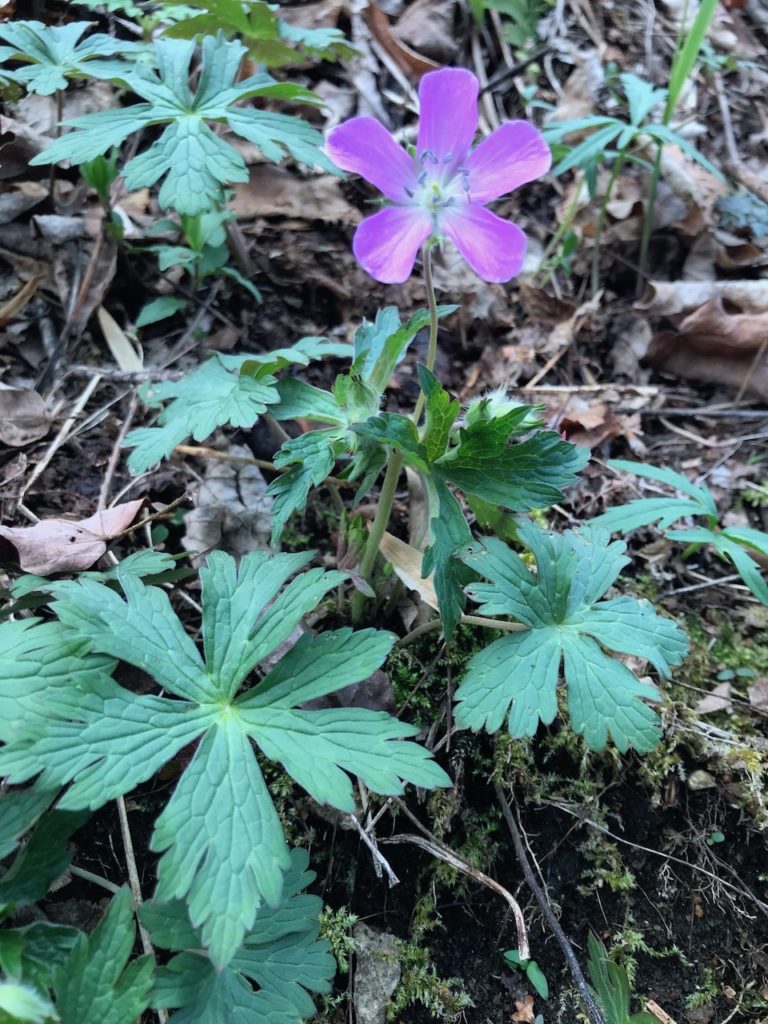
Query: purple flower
(443,190)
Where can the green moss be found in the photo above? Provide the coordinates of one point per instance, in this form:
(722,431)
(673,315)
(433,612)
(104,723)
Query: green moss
(336,928)
(443,998)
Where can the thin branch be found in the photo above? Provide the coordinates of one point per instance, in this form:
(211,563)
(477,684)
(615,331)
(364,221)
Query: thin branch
(593,1011)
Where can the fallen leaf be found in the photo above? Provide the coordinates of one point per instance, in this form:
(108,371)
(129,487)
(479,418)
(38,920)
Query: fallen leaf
(427,27)
(580,92)
(684,356)
(122,350)
(524,1011)
(61,545)
(406,561)
(272,191)
(17,302)
(232,509)
(717,700)
(670,298)
(410,62)
(23,416)
(758,694)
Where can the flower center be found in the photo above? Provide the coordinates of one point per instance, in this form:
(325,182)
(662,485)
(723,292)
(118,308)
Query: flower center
(439,185)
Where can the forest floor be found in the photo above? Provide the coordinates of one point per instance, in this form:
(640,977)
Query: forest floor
(663,856)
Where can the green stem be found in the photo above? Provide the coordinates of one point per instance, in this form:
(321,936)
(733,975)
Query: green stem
(601,222)
(426,255)
(395,465)
(645,239)
(89,876)
(544,273)
(378,528)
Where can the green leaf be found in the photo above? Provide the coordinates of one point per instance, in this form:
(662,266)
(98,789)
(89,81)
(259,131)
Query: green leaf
(281,954)
(379,346)
(23,1003)
(662,133)
(21,809)
(196,163)
(516,677)
(641,97)
(310,458)
(731,551)
(221,840)
(299,400)
(686,55)
(441,412)
(395,431)
(449,532)
(35,951)
(593,147)
(208,398)
(95,985)
(42,860)
(220,837)
(611,987)
(160,309)
(521,476)
(56,53)
(644,512)
(37,657)
(537,978)
(664,511)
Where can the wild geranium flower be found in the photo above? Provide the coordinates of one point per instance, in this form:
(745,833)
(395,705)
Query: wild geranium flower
(443,189)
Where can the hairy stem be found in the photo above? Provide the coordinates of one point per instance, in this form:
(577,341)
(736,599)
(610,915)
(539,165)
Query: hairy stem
(426,255)
(395,464)
(378,528)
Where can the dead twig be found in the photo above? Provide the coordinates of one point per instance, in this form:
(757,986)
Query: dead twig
(380,863)
(444,853)
(593,1011)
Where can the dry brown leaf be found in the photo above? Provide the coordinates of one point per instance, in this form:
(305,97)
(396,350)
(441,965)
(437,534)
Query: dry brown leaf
(718,700)
(758,693)
(427,28)
(410,62)
(579,93)
(718,331)
(123,352)
(524,1011)
(272,191)
(681,356)
(16,303)
(670,298)
(23,416)
(406,561)
(60,545)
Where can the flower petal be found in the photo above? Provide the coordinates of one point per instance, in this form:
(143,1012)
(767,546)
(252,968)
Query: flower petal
(494,248)
(363,146)
(447,115)
(385,245)
(514,154)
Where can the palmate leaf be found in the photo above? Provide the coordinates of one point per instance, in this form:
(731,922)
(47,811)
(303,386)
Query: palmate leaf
(56,53)
(95,984)
(732,546)
(208,398)
(195,162)
(516,677)
(698,500)
(281,955)
(220,837)
(521,476)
